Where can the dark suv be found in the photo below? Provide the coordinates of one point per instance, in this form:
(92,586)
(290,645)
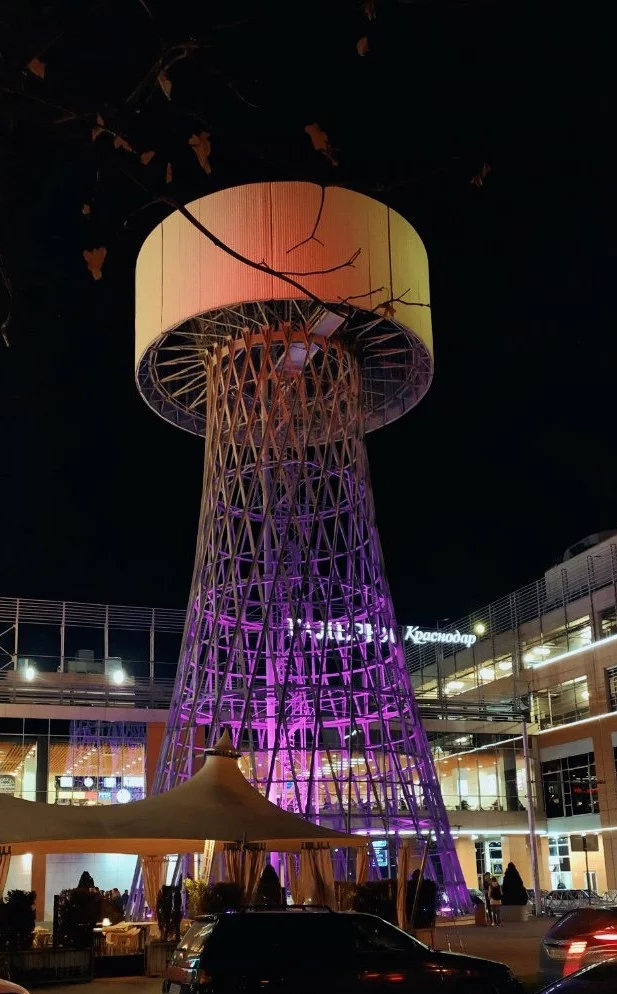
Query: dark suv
(296,951)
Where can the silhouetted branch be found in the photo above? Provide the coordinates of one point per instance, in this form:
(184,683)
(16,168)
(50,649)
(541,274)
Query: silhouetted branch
(6,283)
(332,269)
(259,266)
(313,235)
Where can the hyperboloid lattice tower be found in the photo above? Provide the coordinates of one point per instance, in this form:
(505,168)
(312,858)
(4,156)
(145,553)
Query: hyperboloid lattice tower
(290,639)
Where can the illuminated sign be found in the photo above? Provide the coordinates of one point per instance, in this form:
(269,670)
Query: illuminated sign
(415,634)
(341,632)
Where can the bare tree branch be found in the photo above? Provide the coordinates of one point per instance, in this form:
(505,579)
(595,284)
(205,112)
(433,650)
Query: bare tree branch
(360,296)
(261,267)
(322,272)
(313,235)
(6,283)
(399,300)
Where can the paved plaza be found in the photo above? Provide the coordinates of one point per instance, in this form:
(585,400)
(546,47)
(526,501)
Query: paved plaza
(515,944)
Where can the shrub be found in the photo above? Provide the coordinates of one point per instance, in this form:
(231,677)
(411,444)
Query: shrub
(76,912)
(196,891)
(17,920)
(169,913)
(513,888)
(377,897)
(268,890)
(426,905)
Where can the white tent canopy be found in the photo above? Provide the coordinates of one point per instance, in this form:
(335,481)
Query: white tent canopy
(218,803)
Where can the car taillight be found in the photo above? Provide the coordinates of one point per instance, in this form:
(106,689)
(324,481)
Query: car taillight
(203,977)
(392,978)
(609,935)
(574,957)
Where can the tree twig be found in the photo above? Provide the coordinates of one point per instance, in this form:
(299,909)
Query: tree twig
(399,300)
(349,264)
(261,267)
(313,235)
(4,327)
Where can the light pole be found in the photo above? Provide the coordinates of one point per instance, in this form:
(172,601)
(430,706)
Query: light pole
(531,821)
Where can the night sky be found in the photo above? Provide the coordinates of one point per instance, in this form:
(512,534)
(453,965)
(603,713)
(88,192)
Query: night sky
(510,458)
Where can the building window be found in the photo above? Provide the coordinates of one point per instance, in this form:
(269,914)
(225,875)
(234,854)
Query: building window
(489,858)
(18,757)
(559,861)
(100,763)
(608,622)
(570,786)
(562,704)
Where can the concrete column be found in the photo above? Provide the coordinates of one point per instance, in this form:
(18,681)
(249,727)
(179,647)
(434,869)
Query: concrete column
(544,864)
(518,852)
(466,852)
(154,740)
(38,878)
(607,800)
(42,767)
(39,861)
(609,840)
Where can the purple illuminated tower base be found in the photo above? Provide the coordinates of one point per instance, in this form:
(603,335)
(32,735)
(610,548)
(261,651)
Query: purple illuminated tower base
(290,640)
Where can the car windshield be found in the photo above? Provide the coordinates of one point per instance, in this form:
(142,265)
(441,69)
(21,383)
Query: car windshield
(373,934)
(582,921)
(193,942)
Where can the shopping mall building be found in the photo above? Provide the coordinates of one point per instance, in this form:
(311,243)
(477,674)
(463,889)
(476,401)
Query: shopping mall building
(84,693)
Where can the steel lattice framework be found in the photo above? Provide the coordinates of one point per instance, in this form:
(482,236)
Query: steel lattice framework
(290,639)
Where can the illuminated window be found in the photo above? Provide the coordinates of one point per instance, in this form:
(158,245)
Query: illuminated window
(570,786)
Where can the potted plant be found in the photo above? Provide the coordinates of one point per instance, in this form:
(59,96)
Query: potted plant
(515,901)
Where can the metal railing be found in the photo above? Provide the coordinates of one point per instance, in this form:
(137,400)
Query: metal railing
(96,690)
(550,607)
(70,691)
(80,615)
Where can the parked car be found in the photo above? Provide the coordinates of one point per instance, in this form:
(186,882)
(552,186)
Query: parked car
(305,951)
(559,902)
(579,939)
(531,899)
(598,979)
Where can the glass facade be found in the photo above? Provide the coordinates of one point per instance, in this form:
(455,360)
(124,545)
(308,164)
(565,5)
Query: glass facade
(568,701)
(102,763)
(76,763)
(476,775)
(18,762)
(570,786)
(441,671)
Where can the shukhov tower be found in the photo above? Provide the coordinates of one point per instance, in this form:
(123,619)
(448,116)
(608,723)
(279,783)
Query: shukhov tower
(290,639)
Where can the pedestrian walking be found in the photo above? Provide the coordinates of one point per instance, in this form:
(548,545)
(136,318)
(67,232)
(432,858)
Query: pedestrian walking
(496,897)
(486,887)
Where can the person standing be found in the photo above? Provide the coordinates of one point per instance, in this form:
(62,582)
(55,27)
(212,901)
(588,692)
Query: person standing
(496,897)
(486,887)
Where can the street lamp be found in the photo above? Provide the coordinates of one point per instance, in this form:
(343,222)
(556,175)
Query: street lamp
(479,628)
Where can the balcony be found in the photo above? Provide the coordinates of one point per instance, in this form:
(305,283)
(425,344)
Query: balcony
(84,690)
